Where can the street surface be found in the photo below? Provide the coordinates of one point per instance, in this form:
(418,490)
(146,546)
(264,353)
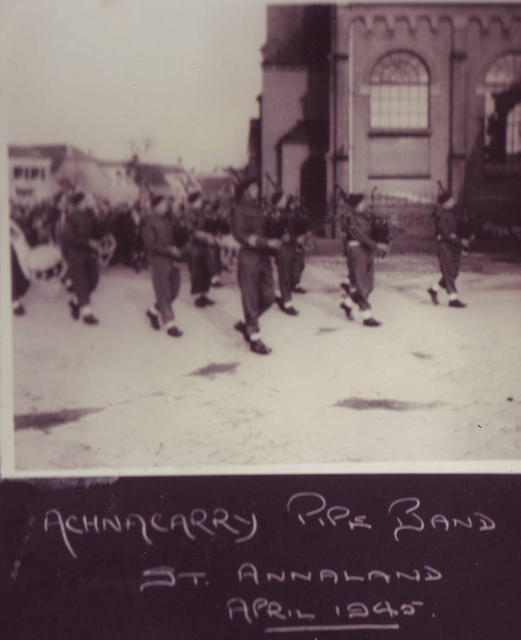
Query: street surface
(431,384)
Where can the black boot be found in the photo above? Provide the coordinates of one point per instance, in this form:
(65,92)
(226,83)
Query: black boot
(241,328)
(457,304)
(371,322)
(75,309)
(19,309)
(90,318)
(348,310)
(174,332)
(154,320)
(434,295)
(258,346)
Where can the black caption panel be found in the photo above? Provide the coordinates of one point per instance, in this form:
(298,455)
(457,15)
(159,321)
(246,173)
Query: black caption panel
(216,558)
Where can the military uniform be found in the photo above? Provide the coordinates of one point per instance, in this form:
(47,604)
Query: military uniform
(254,264)
(299,227)
(450,246)
(360,249)
(80,228)
(201,258)
(159,238)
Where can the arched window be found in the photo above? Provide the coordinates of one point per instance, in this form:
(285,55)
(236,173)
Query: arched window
(400,92)
(503,112)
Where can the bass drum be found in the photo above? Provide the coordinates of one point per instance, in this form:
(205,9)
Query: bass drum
(46,267)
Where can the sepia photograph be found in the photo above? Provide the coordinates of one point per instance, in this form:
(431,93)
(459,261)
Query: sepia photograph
(247,234)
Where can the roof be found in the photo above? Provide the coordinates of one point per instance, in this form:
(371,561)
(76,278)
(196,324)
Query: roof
(58,153)
(214,185)
(20,151)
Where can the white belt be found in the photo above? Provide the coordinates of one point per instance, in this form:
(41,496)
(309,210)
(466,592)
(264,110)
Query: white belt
(353,243)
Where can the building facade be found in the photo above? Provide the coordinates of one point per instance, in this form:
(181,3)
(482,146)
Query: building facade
(30,179)
(393,97)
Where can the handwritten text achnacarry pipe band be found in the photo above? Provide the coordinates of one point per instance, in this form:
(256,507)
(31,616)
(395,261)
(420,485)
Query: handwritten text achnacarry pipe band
(404,516)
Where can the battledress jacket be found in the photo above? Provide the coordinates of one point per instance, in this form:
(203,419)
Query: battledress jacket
(248,222)
(358,228)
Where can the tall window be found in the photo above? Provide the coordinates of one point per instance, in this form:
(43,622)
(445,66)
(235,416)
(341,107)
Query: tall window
(400,93)
(503,113)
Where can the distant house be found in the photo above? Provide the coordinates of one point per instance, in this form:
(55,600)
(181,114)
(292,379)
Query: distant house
(30,178)
(216,185)
(73,167)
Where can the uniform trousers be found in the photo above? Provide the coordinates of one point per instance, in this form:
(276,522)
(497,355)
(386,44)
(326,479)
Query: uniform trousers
(83,272)
(360,262)
(166,280)
(449,257)
(256,283)
(200,263)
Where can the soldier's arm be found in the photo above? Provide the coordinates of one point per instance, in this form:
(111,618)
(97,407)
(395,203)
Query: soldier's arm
(153,240)
(445,232)
(72,236)
(353,229)
(243,235)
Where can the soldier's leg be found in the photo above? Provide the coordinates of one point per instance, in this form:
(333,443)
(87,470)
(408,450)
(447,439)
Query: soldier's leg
(162,290)
(446,259)
(92,279)
(248,275)
(358,276)
(79,275)
(175,283)
(284,268)
(454,267)
(266,286)
(299,264)
(362,272)
(93,273)
(200,271)
(216,265)
(348,289)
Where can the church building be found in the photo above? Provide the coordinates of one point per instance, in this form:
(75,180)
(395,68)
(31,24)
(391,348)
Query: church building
(393,99)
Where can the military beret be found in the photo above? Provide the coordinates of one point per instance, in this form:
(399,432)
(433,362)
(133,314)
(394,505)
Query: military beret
(444,197)
(157,200)
(277,197)
(354,199)
(194,196)
(77,197)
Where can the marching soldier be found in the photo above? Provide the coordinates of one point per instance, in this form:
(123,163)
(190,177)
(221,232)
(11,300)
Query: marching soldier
(254,269)
(201,255)
(361,250)
(279,228)
(450,246)
(79,242)
(164,247)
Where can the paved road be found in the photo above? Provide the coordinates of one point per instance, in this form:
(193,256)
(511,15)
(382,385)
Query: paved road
(431,384)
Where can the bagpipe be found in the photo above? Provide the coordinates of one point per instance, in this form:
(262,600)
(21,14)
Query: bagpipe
(381,228)
(466,227)
(293,219)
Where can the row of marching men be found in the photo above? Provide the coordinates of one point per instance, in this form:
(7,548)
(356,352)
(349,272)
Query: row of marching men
(70,240)
(267,232)
(168,233)
(367,236)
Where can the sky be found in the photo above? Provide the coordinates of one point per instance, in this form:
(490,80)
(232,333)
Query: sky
(107,75)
